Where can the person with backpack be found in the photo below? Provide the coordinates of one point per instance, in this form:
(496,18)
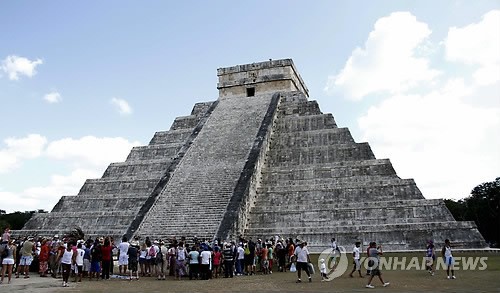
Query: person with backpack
(8,260)
(161,261)
(153,251)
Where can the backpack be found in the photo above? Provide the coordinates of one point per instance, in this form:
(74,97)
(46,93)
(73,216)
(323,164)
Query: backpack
(159,256)
(152,251)
(5,252)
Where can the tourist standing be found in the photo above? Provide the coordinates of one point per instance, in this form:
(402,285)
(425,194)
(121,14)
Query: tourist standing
(161,261)
(95,260)
(78,262)
(356,255)
(107,254)
(27,251)
(181,260)
(228,254)
(122,256)
(374,255)
(303,260)
(217,262)
(43,258)
(133,256)
(281,255)
(240,259)
(270,257)
(206,257)
(171,260)
(8,261)
(142,259)
(66,259)
(54,252)
(430,257)
(86,259)
(194,264)
(448,257)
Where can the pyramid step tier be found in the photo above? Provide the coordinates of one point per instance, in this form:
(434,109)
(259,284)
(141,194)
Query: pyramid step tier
(170,136)
(394,237)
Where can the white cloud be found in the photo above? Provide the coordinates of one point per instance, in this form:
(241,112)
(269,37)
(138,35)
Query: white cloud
(18,149)
(91,150)
(388,62)
(443,136)
(53,97)
(122,106)
(45,197)
(16,66)
(446,144)
(86,157)
(477,44)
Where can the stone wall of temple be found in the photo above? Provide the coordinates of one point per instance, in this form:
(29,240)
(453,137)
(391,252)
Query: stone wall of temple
(317,183)
(110,205)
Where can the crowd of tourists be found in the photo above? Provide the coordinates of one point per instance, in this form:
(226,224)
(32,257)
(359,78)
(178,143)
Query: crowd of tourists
(94,259)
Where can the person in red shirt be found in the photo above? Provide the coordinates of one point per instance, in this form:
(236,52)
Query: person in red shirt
(107,253)
(43,258)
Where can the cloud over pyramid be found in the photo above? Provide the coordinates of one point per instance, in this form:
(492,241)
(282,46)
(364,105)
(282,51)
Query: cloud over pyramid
(262,160)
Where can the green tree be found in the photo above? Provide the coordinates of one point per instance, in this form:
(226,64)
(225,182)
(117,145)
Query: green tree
(16,220)
(482,207)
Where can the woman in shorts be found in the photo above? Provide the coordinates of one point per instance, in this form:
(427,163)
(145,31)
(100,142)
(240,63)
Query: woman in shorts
(8,261)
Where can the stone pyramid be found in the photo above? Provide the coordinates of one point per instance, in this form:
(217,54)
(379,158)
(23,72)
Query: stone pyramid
(262,160)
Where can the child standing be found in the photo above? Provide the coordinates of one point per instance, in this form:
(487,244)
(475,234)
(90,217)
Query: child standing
(322,269)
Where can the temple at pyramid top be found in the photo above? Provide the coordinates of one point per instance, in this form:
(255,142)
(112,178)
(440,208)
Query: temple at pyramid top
(258,78)
(261,160)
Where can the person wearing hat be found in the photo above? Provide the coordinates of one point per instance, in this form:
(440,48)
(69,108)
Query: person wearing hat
(133,259)
(27,251)
(54,251)
(302,256)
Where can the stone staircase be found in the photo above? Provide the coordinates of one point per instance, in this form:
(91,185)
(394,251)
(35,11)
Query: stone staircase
(317,183)
(195,199)
(111,205)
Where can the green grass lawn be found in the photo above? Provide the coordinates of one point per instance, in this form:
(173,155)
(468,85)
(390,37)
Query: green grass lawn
(482,279)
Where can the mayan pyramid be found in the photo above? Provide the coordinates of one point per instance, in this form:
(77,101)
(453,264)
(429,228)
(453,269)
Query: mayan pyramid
(262,160)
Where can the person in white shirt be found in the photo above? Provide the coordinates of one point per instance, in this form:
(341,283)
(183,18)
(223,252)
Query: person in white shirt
(322,269)
(206,257)
(79,262)
(446,252)
(240,260)
(303,260)
(67,258)
(356,262)
(122,255)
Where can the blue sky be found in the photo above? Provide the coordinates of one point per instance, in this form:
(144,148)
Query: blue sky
(81,82)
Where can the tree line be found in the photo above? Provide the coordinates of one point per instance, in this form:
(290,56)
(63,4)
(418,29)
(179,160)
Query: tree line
(483,207)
